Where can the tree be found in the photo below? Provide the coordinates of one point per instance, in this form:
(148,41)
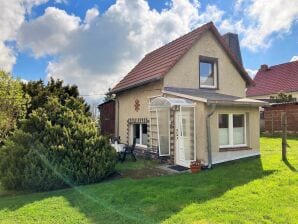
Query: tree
(109,96)
(13,104)
(282,98)
(57,145)
(39,93)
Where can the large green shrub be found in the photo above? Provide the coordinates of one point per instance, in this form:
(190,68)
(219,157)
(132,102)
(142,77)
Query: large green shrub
(13,102)
(57,145)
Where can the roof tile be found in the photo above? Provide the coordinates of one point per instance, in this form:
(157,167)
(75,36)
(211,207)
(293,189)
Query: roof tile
(277,78)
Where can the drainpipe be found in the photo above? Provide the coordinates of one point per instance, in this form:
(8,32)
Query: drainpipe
(213,106)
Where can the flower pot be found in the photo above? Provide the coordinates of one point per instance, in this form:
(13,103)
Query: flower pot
(195,169)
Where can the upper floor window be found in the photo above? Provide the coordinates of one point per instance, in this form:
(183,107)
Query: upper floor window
(208,72)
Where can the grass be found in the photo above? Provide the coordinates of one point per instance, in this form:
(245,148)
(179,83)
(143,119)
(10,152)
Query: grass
(255,190)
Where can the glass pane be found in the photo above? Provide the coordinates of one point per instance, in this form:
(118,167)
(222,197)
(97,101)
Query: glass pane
(187,136)
(136,132)
(223,121)
(223,124)
(238,120)
(144,134)
(206,74)
(238,129)
(163,125)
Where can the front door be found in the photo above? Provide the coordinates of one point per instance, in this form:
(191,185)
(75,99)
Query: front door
(184,123)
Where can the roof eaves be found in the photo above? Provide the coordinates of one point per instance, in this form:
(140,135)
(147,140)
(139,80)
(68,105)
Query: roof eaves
(121,89)
(204,100)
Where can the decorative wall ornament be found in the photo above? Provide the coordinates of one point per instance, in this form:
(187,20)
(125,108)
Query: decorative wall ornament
(137,105)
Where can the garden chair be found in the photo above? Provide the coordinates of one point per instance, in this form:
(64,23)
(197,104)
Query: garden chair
(129,150)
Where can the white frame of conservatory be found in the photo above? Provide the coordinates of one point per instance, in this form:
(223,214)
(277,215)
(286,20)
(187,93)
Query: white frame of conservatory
(163,103)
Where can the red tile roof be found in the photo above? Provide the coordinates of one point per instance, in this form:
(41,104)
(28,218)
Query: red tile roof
(155,65)
(275,79)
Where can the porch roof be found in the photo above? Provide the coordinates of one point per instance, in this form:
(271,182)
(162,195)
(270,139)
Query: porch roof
(160,101)
(211,96)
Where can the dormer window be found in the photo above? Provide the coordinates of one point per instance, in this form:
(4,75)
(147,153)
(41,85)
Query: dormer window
(208,72)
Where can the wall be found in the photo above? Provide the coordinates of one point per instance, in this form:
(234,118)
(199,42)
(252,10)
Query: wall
(272,116)
(126,101)
(185,72)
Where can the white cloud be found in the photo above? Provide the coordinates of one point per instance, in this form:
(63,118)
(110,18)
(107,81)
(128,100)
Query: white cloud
(49,33)
(212,13)
(294,58)
(268,20)
(96,57)
(96,51)
(251,72)
(11,18)
(238,5)
(103,48)
(228,25)
(91,15)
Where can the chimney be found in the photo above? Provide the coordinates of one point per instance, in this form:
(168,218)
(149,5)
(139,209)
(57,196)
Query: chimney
(263,67)
(233,43)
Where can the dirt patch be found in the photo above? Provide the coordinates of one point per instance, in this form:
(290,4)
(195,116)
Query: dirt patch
(144,173)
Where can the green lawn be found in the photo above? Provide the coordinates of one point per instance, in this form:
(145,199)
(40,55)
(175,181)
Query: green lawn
(256,190)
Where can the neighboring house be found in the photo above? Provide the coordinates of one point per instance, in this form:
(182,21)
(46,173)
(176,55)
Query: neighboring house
(186,101)
(107,118)
(270,81)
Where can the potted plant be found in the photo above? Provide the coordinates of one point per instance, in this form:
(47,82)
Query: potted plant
(195,166)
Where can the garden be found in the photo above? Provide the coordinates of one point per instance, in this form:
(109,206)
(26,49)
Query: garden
(49,145)
(254,190)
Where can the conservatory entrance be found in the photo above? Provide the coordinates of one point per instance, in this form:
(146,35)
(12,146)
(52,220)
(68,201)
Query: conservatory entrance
(172,129)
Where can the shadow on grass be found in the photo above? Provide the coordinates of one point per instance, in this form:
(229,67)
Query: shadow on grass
(290,166)
(149,200)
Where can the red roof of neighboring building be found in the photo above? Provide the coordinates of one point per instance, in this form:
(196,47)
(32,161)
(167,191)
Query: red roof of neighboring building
(156,64)
(275,79)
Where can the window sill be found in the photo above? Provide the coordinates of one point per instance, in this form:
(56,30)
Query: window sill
(208,87)
(240,148)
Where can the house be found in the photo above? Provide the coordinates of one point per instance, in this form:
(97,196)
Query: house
(185,101)
(107,118)
(269,82)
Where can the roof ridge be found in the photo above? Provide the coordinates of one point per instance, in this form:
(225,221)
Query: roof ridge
(281,64)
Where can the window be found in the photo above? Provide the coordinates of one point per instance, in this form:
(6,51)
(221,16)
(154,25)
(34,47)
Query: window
(140,133)
(232,130)
(223,123)
(207,72)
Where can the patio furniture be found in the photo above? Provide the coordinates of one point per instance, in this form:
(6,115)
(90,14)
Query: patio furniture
(129,150)
(120,149)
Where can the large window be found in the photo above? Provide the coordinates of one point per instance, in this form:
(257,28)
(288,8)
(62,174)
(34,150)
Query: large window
(208,72)
(232,130)
(140,133)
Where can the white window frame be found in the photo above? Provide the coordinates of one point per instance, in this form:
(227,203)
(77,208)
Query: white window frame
(231,134)
(214,69)
(140,132)
(166,154)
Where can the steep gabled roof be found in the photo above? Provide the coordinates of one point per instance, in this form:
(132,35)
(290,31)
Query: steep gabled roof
(155,65)
(275,79)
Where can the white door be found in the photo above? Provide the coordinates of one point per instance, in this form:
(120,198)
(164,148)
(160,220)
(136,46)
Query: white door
(184,139)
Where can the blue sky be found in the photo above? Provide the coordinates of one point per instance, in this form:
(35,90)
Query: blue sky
(98,40)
